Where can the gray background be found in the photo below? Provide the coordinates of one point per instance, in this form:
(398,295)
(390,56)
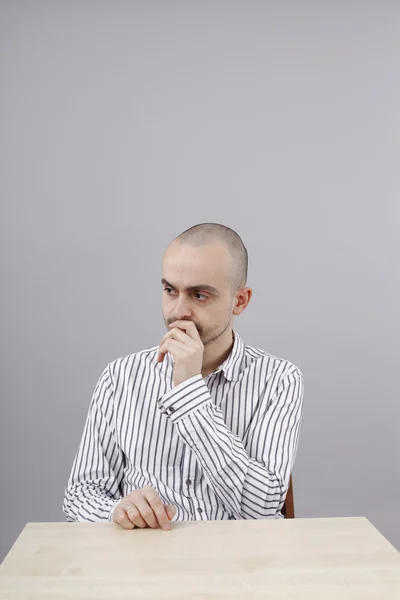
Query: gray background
(124,123)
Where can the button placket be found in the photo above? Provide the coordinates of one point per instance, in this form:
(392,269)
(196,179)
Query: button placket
(200,512)
(187,476)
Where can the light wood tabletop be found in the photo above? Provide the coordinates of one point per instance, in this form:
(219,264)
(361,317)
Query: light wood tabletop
(313,559)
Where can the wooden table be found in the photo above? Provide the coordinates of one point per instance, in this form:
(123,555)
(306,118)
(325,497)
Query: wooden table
(313,559)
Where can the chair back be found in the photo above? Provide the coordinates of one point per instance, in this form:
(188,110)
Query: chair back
(288,507)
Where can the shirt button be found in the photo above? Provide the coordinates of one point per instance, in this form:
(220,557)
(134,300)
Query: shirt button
(199,510)
(171,410)
(188,482)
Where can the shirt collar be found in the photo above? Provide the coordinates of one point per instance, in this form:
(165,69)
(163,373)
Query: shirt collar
(232,364)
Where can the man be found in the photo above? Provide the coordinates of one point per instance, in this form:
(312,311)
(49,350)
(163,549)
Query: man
(200,426)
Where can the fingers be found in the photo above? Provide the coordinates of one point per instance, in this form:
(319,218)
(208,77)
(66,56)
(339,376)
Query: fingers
(121,518)
(170,510)
(189,327)
(135,517)
(146,512)
(158,509)
(173,346)
(143,508)
(181,336)
(162,351)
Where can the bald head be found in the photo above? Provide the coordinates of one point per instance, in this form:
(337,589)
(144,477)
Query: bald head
(206,233)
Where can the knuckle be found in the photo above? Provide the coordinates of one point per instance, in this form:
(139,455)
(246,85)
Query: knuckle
(132,516)
(158,506)
(150,493)
(141,524)
(162,518)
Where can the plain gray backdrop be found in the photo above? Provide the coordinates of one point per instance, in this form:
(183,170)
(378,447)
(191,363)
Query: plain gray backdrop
(124,123)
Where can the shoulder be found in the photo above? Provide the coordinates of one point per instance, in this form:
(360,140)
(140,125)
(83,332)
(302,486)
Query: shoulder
(119,375)
(281,381)
(125,366)
(270,363)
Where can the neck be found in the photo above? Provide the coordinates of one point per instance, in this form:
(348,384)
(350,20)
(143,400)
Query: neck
(217,351)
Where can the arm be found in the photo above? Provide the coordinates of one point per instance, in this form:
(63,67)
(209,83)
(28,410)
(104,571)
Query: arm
(93,487)
(252,481)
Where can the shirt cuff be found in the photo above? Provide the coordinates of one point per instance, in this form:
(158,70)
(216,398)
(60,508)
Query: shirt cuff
(114,506)
(183,399)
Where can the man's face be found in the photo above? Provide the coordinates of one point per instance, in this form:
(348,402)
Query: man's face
(197,287)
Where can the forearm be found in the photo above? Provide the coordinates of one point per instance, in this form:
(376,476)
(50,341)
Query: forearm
(250,481)
(246,487)
(89,501)
(93,486)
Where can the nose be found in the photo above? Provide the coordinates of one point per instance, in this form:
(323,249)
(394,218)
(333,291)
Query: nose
(182,309)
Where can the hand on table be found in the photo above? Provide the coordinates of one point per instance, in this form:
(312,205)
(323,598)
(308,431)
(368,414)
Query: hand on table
(143,508)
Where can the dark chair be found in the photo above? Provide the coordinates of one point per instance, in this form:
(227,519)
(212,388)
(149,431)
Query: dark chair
(288,507)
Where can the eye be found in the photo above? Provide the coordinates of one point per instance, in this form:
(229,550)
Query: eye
(204,297)
(168,289)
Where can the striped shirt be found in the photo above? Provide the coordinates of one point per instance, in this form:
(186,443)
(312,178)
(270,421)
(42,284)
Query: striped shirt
(219,447)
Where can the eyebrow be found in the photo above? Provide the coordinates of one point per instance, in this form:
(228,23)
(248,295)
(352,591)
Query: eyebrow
(191,288)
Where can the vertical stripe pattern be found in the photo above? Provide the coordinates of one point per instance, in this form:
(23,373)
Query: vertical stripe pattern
(220,447)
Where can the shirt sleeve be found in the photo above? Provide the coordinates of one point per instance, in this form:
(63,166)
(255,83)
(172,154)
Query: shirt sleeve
(251,481)
(93,491)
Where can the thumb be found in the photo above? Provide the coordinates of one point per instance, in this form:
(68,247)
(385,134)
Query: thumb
(170,510)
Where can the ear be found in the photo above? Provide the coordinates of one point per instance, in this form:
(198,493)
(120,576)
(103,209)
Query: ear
(242,298)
